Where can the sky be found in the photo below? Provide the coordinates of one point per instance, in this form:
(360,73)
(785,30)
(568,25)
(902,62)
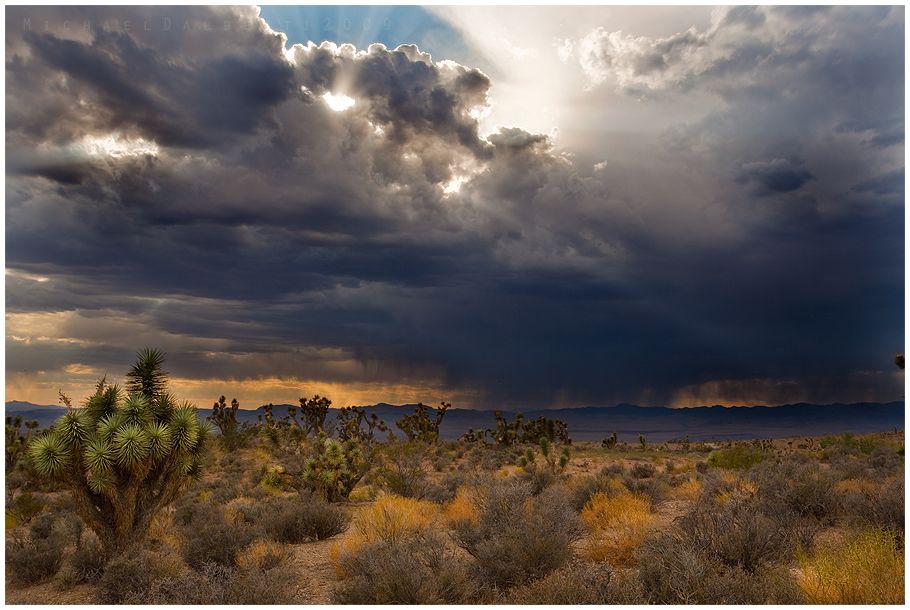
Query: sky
(493,206)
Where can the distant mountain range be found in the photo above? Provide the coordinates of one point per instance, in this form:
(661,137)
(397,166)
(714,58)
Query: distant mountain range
(658,424)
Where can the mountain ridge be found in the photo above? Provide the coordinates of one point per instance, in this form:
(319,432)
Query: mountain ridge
(658,424)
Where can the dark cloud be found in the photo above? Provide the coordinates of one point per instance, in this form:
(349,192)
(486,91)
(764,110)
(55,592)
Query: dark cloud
(192,189)
(774,176)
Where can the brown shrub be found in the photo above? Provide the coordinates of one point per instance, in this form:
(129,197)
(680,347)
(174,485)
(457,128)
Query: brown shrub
(515,537)
(221,585)
(31,559)
(671,571)
(577,583)
(413,569)
(302,519)
(215,542)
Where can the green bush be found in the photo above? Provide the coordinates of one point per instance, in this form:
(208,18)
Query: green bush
(737,457)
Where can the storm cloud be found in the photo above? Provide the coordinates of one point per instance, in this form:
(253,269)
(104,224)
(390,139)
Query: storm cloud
(184,182)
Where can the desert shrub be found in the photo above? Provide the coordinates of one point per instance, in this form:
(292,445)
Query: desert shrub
(221,585)
(404,471)
(654,488)
(415,568)
(514,539)
(87,562)
(581,489)
(642,470)
(804,490)
(128,577)
(618,525)
(35,557)
(296,520)
(389,518)
(737,457)
(865,503)
(866,568)
(581,583)
(672,571)
(736,534)
(24,507)
(215,542)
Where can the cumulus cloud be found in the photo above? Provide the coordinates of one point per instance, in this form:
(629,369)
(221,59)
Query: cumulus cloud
(182,182)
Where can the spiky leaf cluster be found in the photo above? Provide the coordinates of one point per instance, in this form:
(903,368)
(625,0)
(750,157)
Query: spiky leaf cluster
(112,441)
(335,468)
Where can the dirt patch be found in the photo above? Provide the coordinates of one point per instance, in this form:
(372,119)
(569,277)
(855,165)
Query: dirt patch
(315,574)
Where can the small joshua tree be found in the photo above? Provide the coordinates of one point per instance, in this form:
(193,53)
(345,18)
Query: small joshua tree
(335,467)
(16,442)
(642,441)
(506,433)
(124,456)
(609,442)
(554,463)
(418,426)
(226,419)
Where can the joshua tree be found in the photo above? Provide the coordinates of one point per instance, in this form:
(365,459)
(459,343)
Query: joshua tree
(315,411)
(350,424)
(124,457)
(225,418)
(335,467)
(506,433)
(642,441)
(609,442)
(418,426)
(555,430)
(16,443)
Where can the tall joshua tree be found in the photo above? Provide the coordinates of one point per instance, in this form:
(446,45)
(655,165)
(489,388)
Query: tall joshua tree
(124,455)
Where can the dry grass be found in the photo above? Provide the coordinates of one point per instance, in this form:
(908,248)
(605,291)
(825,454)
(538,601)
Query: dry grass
(262,555)
(866,568)
(389,518)
(463,507)
(689,490)
(618,525)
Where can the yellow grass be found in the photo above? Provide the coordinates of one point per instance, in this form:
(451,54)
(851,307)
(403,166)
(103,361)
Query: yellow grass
(618,524)
(462,507)
(866,568)
(388,518)
(855,486)
(262,555)
(688,490)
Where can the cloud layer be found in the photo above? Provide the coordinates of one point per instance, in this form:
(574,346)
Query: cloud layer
(176,177)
